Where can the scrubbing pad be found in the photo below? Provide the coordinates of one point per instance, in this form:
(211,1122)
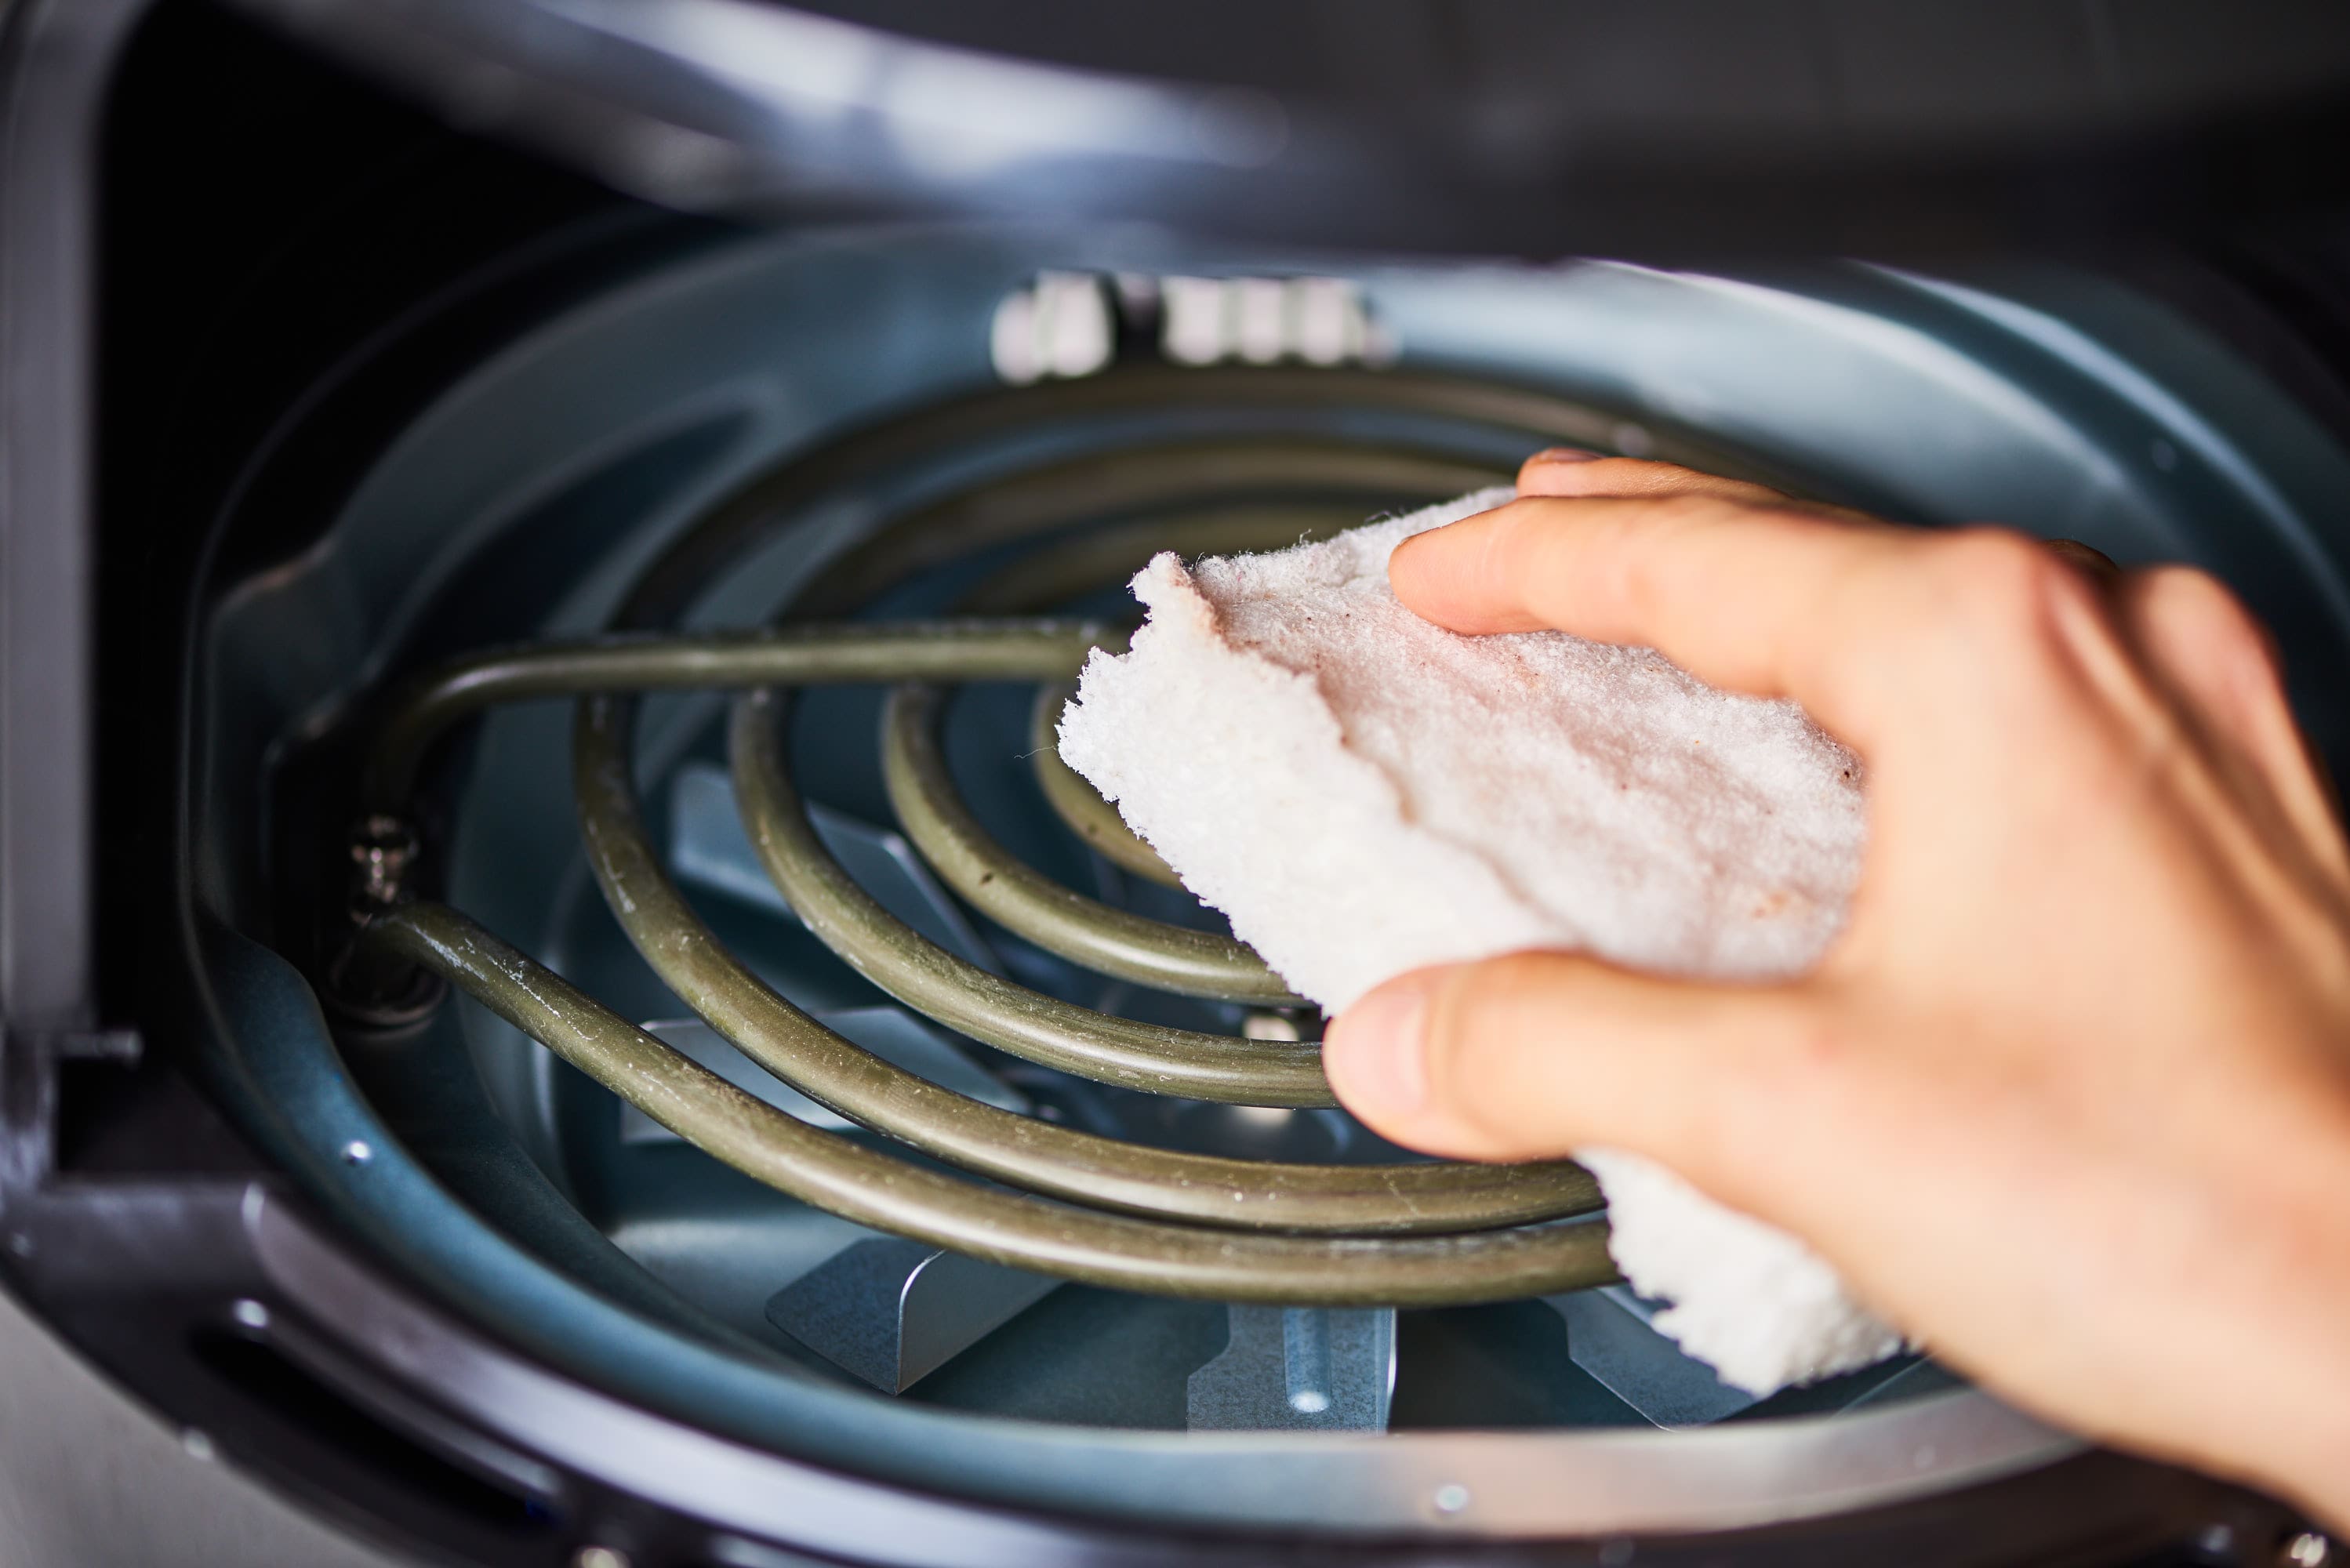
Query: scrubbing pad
(1364,793)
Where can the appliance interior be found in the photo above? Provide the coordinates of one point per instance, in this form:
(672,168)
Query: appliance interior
(522,504)
(475,472)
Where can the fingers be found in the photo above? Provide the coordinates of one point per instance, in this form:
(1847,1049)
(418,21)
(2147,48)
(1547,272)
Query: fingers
(1744,594)
(1538,1054)
(1569,471)
(1746,589)
(2207,649)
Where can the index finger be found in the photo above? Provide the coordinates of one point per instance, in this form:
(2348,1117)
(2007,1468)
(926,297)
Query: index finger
(1746,595)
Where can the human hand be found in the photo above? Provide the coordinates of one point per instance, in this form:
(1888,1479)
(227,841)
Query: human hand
(2069,1099)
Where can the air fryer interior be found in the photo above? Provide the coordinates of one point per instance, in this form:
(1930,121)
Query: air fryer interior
(524,499)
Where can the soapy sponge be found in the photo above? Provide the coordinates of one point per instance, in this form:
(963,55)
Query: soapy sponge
(1364,793)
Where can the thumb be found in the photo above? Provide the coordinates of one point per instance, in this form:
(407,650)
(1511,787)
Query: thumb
(1535,1055)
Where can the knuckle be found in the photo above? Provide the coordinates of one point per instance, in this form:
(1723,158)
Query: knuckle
(1515,538)
(1481,1024)
(1655,535)
(2209,612)
(1467,1028)
(1802,1064)
(2001,600)
(1513,522)
(2005,577)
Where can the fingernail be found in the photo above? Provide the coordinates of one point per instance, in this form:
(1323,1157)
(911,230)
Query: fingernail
(1563,454)
(1373,1054)
(2087,557)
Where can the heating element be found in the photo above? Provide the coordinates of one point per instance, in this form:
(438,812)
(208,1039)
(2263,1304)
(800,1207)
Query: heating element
(1056,1199)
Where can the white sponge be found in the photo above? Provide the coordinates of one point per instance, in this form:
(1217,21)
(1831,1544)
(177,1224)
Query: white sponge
(1364,793)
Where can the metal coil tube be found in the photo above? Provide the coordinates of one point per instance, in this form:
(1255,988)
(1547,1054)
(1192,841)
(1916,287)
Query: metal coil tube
(1111,553)
(1535,417)
(1106,1173)
(421,710)
(1103,486)
(871,1188)
(966,998)
(1070,567)
(1077,803)
(1030,904)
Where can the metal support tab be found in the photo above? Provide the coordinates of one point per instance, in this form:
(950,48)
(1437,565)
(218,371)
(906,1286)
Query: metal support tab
(1298,1368)
(892,1312)
(1609,1335)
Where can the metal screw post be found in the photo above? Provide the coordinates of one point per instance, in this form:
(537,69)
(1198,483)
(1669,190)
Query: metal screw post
(383,848)
(366,987)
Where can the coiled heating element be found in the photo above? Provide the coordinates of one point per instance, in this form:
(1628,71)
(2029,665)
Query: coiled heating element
(1051,1199)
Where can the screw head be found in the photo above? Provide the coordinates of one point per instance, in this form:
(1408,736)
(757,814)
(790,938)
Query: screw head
(383,848)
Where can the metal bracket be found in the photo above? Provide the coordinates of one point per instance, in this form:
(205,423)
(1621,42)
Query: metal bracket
(892,1312)
(1298,1368)
(1608,1335)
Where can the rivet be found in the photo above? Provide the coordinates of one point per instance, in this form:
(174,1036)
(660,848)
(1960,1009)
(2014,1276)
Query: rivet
(2163,455)
(197,1442)
(1631,440)
(20,1243)
(359,1151)
(251,1314)
(600,1557)
(1450,1498)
